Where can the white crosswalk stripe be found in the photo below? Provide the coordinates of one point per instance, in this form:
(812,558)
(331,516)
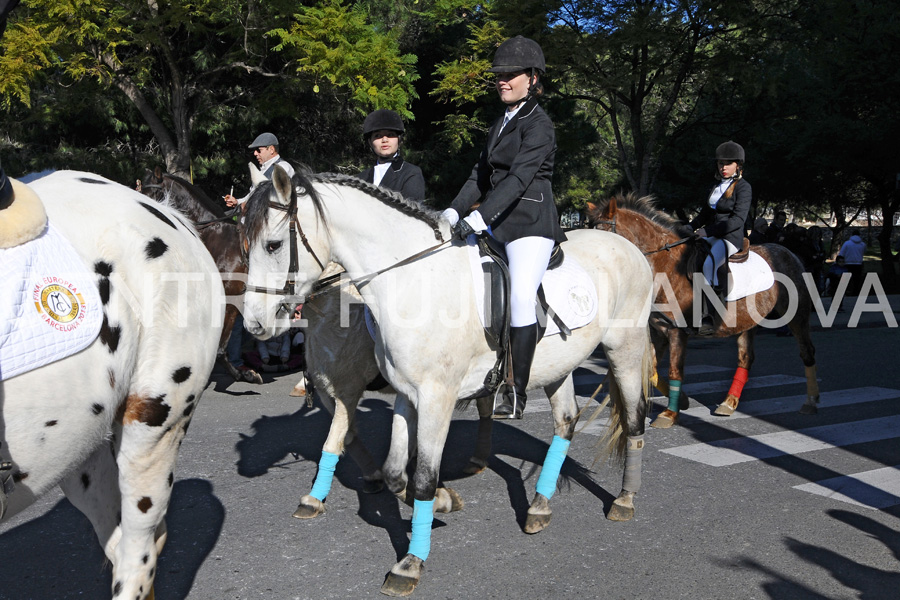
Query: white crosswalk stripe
(879,488)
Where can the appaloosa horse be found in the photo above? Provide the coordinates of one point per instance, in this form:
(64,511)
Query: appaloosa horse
(219,233)
(672,259)
(428,342)
(106,423)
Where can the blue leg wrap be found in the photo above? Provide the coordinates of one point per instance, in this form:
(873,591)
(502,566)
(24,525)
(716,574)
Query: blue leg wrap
(323,478)
(674,392)
(423,515)
(556,455)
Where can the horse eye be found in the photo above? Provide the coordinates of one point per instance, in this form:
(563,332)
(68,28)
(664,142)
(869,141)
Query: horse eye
(273,247)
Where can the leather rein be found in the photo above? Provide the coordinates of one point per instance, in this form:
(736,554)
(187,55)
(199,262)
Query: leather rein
(290,284)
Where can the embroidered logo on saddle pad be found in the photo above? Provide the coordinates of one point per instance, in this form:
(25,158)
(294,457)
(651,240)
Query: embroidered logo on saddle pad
(49,304)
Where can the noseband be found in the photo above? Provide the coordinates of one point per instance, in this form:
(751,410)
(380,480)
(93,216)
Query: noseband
(612,223)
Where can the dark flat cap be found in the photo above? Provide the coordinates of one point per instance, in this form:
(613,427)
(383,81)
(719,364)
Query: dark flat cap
(264,139)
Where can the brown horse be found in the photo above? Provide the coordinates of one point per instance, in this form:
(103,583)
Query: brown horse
(219,233)
(656,234)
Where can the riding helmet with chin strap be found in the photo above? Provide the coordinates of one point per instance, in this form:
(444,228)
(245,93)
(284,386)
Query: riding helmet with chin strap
(382,119)
(520,54)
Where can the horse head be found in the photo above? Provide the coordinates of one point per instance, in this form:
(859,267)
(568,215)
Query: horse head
(284,261)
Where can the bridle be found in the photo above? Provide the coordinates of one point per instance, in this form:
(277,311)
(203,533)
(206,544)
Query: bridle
(290,284)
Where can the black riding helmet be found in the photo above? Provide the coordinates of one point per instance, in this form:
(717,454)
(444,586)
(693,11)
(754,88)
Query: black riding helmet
(730,151)
(518,54)
(382,119)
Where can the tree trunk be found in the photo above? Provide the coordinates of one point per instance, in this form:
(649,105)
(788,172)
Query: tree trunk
(889,205)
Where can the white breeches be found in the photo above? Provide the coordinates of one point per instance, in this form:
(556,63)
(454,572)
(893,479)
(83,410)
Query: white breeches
(719,252)
(528,258)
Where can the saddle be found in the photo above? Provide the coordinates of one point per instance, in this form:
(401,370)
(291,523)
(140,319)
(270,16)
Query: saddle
(22,217)
(497,306)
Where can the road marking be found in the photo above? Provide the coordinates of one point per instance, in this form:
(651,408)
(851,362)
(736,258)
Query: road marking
(736,450)
(875,489)
(786,404)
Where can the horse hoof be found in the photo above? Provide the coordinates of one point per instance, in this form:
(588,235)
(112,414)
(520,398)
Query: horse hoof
(665,419)
(475,466)
(372,487)
(621,510)
(809,409)
(309,508)
(403,577)
(724,410)
(298,392)
(537,522)
(448,500)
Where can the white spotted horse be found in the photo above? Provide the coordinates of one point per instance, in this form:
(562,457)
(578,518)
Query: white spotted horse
(429,343)
(219,233)
(788,299)
(106,423)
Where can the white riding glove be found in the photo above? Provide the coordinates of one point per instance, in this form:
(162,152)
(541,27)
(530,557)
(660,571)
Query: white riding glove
(476,222)
(451,216)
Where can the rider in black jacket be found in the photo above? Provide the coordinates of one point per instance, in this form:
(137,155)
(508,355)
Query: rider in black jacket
(721,221)
(512,178)
(383,132)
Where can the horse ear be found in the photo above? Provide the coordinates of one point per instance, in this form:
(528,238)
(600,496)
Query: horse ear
(158,172)
(591,207)
(256,176)
(611,208)
(282,184)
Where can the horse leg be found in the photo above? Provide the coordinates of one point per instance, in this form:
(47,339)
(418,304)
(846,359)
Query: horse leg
(341,436)
(431,434)
(93,489)
(628,370)
(479,460)
(799,327)
(745,359)
(677,343)
(403,438)
(562,401)
(146,461)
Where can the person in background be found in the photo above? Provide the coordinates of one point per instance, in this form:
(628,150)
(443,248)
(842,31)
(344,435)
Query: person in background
(775,230)
(383,133)
(512,179)
(758,234)
(854,251)
(265,149)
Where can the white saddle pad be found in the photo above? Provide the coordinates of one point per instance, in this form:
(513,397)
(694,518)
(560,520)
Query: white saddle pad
(567,288)
(750,277)
(49,304)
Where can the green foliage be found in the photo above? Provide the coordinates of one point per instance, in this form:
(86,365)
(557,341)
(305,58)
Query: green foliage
(334,43)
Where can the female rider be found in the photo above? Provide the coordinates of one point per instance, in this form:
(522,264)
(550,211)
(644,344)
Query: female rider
(512,179)
(383,132)
(721,221)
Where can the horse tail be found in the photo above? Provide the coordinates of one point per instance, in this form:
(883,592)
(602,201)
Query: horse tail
(613,443)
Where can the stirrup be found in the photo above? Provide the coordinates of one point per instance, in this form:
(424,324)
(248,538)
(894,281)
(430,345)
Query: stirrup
(510,405)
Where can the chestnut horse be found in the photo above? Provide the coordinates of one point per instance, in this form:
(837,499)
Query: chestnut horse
(219,233)
(656,234)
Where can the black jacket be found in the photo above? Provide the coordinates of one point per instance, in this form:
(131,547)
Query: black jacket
(514,175)
(727,219)
(402,177)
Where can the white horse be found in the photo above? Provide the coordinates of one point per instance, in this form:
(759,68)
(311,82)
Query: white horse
(429,344)
(106,423)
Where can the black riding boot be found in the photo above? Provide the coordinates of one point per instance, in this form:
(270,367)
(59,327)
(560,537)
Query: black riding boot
(6,193)
(707,327)
(522,342)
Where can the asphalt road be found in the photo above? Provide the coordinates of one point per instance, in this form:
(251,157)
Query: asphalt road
(766,504)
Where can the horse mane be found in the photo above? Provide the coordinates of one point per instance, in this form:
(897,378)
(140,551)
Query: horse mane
(646,207)
(643,205)
(208,203)
(391,198)
(256,208)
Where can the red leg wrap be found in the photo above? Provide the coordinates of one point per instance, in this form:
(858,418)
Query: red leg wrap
(737,384)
